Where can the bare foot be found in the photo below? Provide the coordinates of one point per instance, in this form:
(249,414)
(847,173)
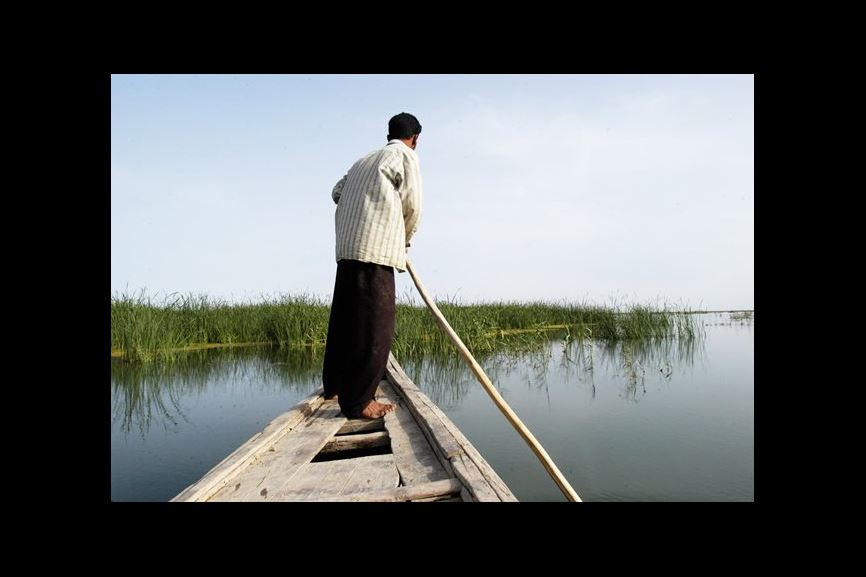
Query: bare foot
(375,410)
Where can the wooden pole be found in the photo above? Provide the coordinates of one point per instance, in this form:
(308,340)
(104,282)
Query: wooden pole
(512,417)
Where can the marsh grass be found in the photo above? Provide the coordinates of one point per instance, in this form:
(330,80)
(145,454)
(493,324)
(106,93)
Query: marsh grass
(143,330)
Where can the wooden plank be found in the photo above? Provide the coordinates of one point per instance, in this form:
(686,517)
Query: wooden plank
(220,475)
(471,453)
(450,452)
(313,480)
(329,479)
(496,482)
(375,473)
(445,499)
(361,441)
(416,461)
(361,426)
(275,467)
(433,489)
(450,445)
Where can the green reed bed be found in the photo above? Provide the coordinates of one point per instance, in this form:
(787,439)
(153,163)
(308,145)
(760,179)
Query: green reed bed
(145,330)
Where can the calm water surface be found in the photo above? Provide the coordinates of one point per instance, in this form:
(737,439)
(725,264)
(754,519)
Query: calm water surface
(666,422)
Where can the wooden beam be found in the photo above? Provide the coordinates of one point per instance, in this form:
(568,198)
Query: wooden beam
(442,499)
(452,447)
(361,441)
(361,426)
(423,491)
(413,454)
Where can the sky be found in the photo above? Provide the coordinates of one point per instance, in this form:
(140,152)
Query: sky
(593,189)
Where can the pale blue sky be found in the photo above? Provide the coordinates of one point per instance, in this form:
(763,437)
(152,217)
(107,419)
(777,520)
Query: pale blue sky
(596,188)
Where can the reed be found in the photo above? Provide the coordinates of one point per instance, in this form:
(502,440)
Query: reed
(143,330)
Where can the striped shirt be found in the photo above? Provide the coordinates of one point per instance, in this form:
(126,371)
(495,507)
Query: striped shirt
(378,206)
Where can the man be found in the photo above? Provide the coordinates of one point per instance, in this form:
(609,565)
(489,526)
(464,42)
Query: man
(378,208)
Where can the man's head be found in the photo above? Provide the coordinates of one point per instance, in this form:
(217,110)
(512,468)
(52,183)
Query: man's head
(405,127)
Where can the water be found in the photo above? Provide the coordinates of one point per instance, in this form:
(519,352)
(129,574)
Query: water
(666,422)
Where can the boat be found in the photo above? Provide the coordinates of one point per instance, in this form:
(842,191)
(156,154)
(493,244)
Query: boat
(314,453)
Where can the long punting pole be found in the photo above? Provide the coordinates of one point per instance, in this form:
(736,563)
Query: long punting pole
(482,377)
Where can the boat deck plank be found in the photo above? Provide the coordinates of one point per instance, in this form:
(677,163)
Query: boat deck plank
(353,426)
(416,461)
(221,474)
(276,466)
(453,449)
(333,479)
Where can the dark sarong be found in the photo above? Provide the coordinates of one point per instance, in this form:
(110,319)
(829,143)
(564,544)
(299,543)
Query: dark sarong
(360,332)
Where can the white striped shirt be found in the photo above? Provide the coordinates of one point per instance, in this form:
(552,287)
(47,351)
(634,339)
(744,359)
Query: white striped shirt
(378,206)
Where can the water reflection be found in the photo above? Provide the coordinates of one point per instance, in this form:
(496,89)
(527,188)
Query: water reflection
(447,379)
(146,393)
(631,362)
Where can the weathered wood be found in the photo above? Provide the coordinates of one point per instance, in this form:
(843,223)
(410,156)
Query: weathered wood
(222,472)
(432,489)
(330,479)
(375,474)
(361,441)
(314,480)
(487,471)
(489,474)
(451,445)
(274,469)
(442,499)
(422,401)
(431,460)
(415,458)
(361,426)
(449,451)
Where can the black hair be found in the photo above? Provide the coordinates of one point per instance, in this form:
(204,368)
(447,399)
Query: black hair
(404,125)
